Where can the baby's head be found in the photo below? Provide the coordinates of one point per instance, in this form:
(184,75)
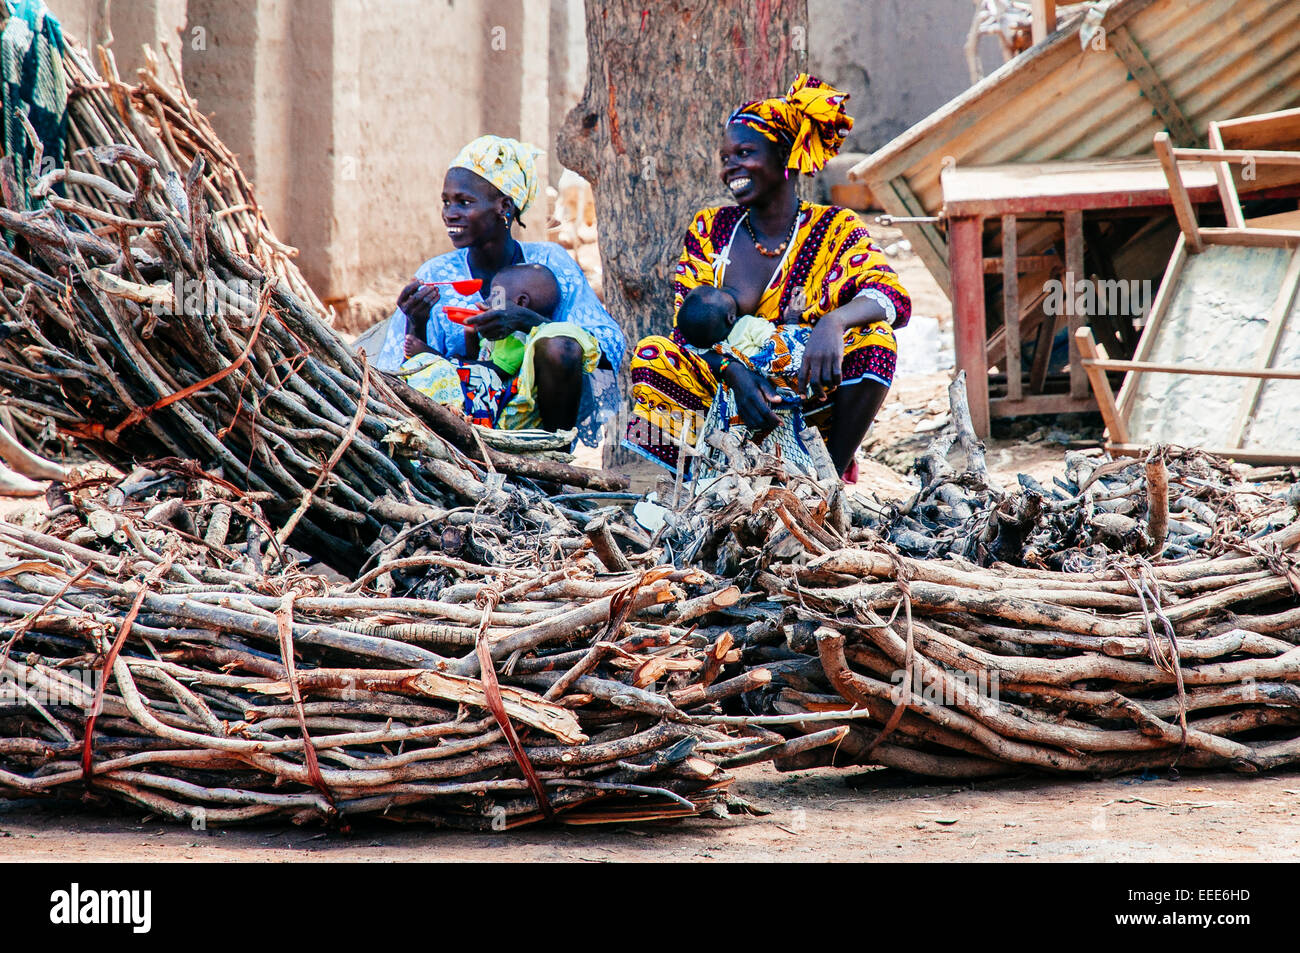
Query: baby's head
(706,316)
(531,286)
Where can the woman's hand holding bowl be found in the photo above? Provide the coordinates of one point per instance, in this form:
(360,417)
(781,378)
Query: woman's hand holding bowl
(500,322)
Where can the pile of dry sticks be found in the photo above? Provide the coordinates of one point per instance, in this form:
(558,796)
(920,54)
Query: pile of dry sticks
(200,658)
(149,657)
(146,322)
(1141,614)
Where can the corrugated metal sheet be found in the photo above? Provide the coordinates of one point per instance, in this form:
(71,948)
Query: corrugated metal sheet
(1217,58)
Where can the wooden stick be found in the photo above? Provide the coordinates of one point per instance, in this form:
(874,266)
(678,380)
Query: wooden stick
(1090,359)
(1147,367)
(1157,500)
(1182,202)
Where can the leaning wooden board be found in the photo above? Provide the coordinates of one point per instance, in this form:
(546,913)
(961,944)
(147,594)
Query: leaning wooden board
(1232,307)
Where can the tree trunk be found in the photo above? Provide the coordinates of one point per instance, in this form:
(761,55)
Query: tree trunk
(661,80)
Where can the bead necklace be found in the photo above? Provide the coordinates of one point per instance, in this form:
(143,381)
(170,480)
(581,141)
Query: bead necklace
(776,252)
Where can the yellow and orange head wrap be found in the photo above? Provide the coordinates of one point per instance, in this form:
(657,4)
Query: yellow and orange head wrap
(810,119)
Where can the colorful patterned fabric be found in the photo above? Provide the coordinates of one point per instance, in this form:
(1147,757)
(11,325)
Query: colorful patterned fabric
(830,261)
(810,119)
(869,354)
(785,441)
(508,164)
(435,377)
(31,61)
(486,393)
(477,390)
(578,306)
(750,334)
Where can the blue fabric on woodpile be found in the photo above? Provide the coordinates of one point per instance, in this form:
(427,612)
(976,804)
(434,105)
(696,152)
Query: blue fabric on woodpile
(31,74)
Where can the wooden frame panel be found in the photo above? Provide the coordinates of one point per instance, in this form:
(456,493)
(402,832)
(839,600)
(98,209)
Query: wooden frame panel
(1193,239)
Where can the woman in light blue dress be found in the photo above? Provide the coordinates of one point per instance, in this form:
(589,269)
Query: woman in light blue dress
(568,378)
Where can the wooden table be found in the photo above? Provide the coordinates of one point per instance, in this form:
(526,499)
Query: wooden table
(1069,188)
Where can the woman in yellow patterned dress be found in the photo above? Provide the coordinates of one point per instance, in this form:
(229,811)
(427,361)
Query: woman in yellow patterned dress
(789,262)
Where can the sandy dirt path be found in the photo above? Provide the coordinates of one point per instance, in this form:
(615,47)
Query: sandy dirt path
(823,816)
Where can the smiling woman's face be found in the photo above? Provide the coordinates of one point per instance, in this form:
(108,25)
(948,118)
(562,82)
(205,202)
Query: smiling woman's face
(471,207)
(751,165)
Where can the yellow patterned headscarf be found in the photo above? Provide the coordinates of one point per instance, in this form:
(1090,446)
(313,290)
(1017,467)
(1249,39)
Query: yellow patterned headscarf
(508,164)
(810,119)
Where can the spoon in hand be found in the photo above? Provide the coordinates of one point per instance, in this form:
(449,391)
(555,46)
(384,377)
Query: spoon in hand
(466,286)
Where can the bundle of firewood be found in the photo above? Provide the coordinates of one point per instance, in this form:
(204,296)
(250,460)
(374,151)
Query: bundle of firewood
(1138,614)
(963,671)
(1177,502)
(158,116)
(147,657)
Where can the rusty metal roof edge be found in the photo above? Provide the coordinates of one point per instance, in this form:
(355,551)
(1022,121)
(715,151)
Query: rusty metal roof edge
(1115,17)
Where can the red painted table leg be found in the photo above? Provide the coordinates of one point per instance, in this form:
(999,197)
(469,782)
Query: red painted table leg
(966,268)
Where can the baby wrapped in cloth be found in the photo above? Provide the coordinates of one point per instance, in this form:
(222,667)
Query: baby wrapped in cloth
(709,322)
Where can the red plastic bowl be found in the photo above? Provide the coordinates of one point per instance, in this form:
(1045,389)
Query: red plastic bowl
(460,315)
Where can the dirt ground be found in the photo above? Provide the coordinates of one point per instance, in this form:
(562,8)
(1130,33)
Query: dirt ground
(812,816)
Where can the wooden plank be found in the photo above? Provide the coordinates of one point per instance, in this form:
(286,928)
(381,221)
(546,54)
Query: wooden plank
(1278,130)
(1044,13)
(1025,264)
(1253,237)
(1183,207)
(1261,156)
(1153,87)
(966,255)
(1259,457)
(1282,221)
(1195,370)
(1248,132)
(1044,19)
(1043,353)
(1115,425)
(1159,308)
(1058,186)
(1001,407)
(1227,188)
(1268,352)
(1011,305)
(1074,272)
